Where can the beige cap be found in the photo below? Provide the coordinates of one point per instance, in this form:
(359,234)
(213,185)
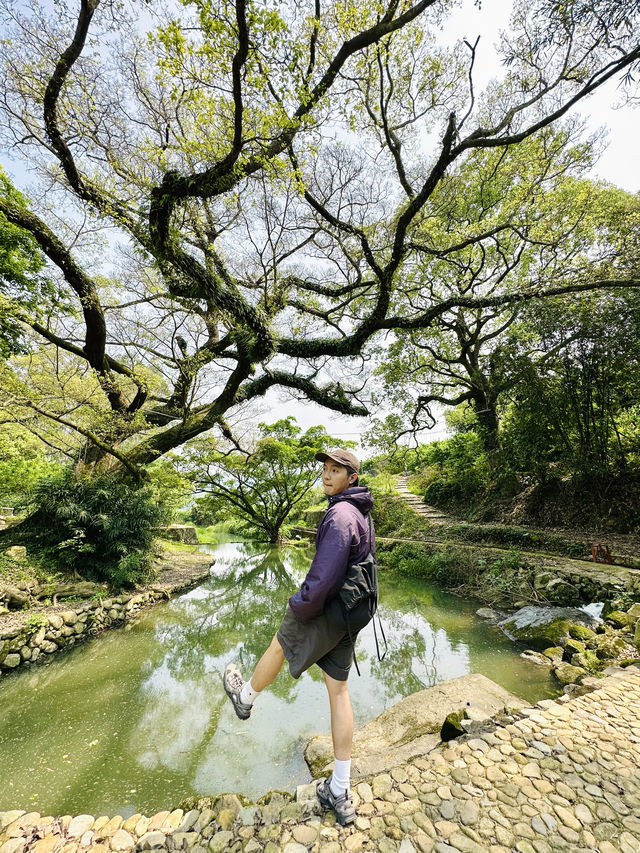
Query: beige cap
(342,457)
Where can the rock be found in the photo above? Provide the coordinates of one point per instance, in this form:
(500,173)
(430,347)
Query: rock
(189,820)
(365,792)
(572,647)
(14,845)
(226,818)
(567,674)
(452,726)
(15,598)
(381,785)
(80,824)
(584,660)
(16,552)
(536,657)
(247,815)
(610,647)
(617,618)
(122,840)
(559,591)
(487,613)
(8,817)
(11,661)
(141,827)
(412,726)
(152,839)
(220,841)
(306,793)
(230,801)
(185,533)
(305,834)
(206,817)
(633,614)
(554,653)
(55,621)
(581,632)
(542,627)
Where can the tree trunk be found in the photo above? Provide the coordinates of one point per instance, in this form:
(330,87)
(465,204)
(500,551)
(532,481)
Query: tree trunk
(488,429)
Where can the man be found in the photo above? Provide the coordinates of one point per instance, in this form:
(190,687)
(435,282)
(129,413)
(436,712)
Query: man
(310,633)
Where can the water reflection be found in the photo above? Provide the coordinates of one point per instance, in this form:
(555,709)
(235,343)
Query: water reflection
(138,719)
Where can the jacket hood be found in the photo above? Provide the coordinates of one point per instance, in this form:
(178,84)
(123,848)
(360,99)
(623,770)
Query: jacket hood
(359,496)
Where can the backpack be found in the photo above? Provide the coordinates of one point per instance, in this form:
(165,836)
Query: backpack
(356,602)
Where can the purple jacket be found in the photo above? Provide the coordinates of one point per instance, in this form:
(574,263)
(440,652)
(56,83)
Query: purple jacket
(342,539)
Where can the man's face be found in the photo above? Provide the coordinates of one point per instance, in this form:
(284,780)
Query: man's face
(336,478)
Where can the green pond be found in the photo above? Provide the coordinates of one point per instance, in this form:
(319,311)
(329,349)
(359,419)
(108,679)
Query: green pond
(137,719)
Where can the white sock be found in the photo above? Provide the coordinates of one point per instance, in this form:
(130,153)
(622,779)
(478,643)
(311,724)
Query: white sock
(341,777)
(248,694)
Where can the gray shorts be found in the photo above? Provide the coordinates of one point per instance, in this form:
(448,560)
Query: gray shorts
(319,640)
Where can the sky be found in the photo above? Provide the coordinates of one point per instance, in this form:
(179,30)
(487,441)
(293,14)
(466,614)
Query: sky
(619,165)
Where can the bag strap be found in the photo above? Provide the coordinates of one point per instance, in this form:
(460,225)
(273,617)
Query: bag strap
(373,616)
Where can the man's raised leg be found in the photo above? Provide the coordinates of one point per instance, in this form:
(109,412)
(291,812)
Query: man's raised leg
(243,693)
(268,666)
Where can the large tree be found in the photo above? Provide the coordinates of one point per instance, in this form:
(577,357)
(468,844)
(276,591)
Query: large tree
(561,227)
(259,177)
(263,486)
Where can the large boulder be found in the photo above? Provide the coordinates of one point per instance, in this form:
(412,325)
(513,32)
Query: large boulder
(412,726)
(541,627)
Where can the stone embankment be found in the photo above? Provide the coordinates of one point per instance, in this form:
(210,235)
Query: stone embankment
(32,636)
(559,776)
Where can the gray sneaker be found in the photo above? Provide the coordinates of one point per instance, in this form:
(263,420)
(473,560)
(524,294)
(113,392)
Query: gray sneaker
(341,805)
(233,684)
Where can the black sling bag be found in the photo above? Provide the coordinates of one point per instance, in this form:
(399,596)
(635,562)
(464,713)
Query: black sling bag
(357,599)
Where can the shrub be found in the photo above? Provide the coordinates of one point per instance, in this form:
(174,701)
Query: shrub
(449,568)
(101,527)
(456,470)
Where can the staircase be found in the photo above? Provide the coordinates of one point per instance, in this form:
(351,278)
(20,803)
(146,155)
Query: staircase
(431,513)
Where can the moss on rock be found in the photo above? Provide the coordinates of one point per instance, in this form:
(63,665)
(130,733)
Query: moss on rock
(452,726)
(581,632)
(617,618)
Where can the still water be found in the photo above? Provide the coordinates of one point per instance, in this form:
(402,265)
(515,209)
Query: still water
(137,719)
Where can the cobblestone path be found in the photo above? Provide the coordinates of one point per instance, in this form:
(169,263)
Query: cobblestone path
(564,775)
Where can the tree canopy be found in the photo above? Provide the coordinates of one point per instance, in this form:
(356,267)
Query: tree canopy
(568,227)
(262,487)
(238,196)
(23,286)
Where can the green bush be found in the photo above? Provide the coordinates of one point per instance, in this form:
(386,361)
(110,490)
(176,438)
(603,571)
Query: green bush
(449,568)
(102,528)
(522,537)
(455,568)
(457,470)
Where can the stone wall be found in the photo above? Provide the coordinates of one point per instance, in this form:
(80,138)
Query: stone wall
(42,634)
